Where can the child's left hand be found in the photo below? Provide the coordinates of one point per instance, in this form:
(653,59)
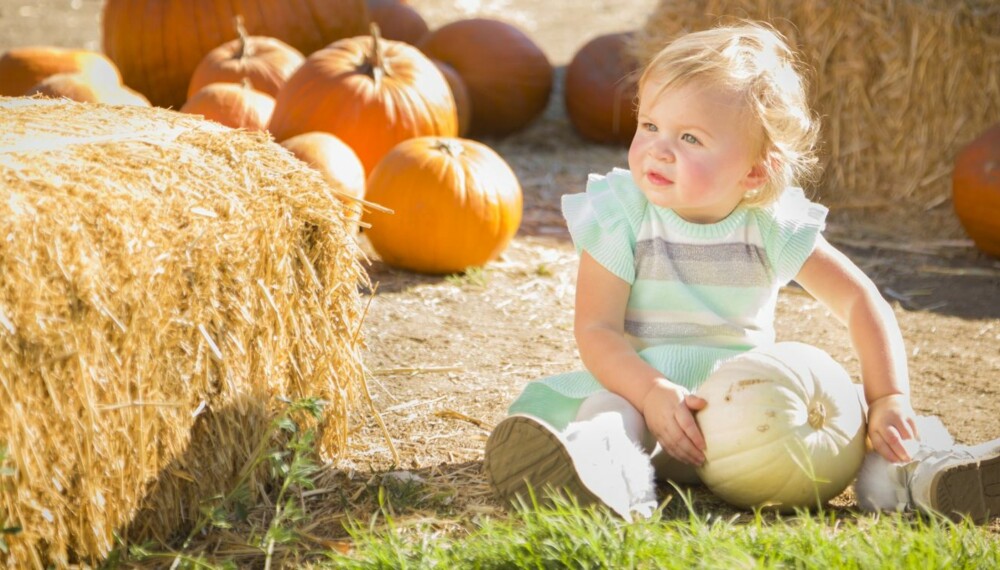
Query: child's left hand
(891,421)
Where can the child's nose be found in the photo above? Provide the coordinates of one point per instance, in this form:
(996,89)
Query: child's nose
(663,150)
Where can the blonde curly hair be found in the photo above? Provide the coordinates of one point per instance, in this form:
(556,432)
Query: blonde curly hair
(754,60)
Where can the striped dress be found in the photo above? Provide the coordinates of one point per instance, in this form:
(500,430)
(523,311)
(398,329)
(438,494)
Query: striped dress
(700,293)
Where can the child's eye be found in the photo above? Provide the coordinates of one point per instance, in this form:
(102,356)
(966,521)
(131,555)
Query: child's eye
(689,138)
(649,127)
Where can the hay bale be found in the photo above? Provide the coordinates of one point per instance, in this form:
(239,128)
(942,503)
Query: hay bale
(163,282)
(900,85)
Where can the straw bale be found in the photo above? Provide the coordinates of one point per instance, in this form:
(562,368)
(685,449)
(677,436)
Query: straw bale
(900,85)
(164,282)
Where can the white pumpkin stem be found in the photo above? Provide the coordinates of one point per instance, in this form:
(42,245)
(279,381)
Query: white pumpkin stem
(817,415)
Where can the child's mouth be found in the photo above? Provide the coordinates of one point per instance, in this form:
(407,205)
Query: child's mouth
(658,179)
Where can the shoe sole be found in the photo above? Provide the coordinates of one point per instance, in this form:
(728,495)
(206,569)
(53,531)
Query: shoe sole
(969,489)
(522,455)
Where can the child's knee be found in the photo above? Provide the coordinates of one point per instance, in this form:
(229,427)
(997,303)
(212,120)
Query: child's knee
(606,402)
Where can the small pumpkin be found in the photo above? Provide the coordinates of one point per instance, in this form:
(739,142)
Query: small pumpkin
(975,186)
(601,89)
(456,204)
(25,67)
(158,43)
(233,105)
(82,88)
(508,76)
(338,164)
(369,92)
(784,428)
(400,22)
(266,62)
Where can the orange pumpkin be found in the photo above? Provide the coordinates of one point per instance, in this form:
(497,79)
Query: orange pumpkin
(601,89)
(461,94)
(456,204)
(399,22)
(80,87)
(23,68)
(369,92)
(975,186)
(508,76)
(266,62)
(338,164)
(158,43)
(233,105)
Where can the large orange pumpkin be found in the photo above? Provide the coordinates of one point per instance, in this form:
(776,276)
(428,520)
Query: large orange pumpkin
(369,92)
(975,186)
(234,105)
(456,204)
(266,62)
(508,76)
(601,88)
(158,43)
(23,68)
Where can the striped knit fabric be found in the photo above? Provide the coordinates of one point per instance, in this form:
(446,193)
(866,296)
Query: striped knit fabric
(700,292)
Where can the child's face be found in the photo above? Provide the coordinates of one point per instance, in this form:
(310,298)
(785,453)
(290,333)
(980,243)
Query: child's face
(695,151)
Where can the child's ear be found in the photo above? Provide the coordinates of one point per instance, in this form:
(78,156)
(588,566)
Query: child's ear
(757,176)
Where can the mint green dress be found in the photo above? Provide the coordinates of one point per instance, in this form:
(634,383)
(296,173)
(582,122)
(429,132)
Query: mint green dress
(700,293)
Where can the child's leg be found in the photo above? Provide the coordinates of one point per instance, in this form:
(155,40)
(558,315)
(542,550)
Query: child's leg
(665,467)
(611,404)
(943,477)
(594,459)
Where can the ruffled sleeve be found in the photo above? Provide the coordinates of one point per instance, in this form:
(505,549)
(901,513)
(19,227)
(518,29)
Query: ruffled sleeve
(790,228)
(604,220)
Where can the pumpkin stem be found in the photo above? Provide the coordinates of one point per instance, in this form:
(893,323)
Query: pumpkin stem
(376,63)
(451,147)
(246,50)
(817,415)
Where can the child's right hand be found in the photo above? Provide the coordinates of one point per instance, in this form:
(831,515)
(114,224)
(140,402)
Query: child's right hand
(669,412)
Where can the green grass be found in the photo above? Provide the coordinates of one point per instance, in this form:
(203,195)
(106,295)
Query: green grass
(398,522)
(566,536)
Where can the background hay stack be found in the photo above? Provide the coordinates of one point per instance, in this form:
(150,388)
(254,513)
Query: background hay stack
(163,282)
(900,85)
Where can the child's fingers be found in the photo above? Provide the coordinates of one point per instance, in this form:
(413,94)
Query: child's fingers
(889,444)
(692,436)
(685,451)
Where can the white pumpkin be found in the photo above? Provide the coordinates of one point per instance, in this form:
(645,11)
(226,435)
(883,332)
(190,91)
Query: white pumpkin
(784,428)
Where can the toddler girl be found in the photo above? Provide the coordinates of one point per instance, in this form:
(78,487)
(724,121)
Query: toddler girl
(681,260)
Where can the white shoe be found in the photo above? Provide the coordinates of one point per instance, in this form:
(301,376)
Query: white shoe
(885,486)
(945,478)
(964,481)
(593,460)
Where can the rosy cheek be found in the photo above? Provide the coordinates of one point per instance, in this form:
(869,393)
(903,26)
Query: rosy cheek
(634,154)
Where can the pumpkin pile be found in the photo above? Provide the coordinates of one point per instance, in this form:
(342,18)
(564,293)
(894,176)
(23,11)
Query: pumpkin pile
(339,84)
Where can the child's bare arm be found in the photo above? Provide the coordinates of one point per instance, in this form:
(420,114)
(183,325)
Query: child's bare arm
(852,297)
(601,298)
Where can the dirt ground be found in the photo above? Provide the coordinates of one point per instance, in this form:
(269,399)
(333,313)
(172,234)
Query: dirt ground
(448,354)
